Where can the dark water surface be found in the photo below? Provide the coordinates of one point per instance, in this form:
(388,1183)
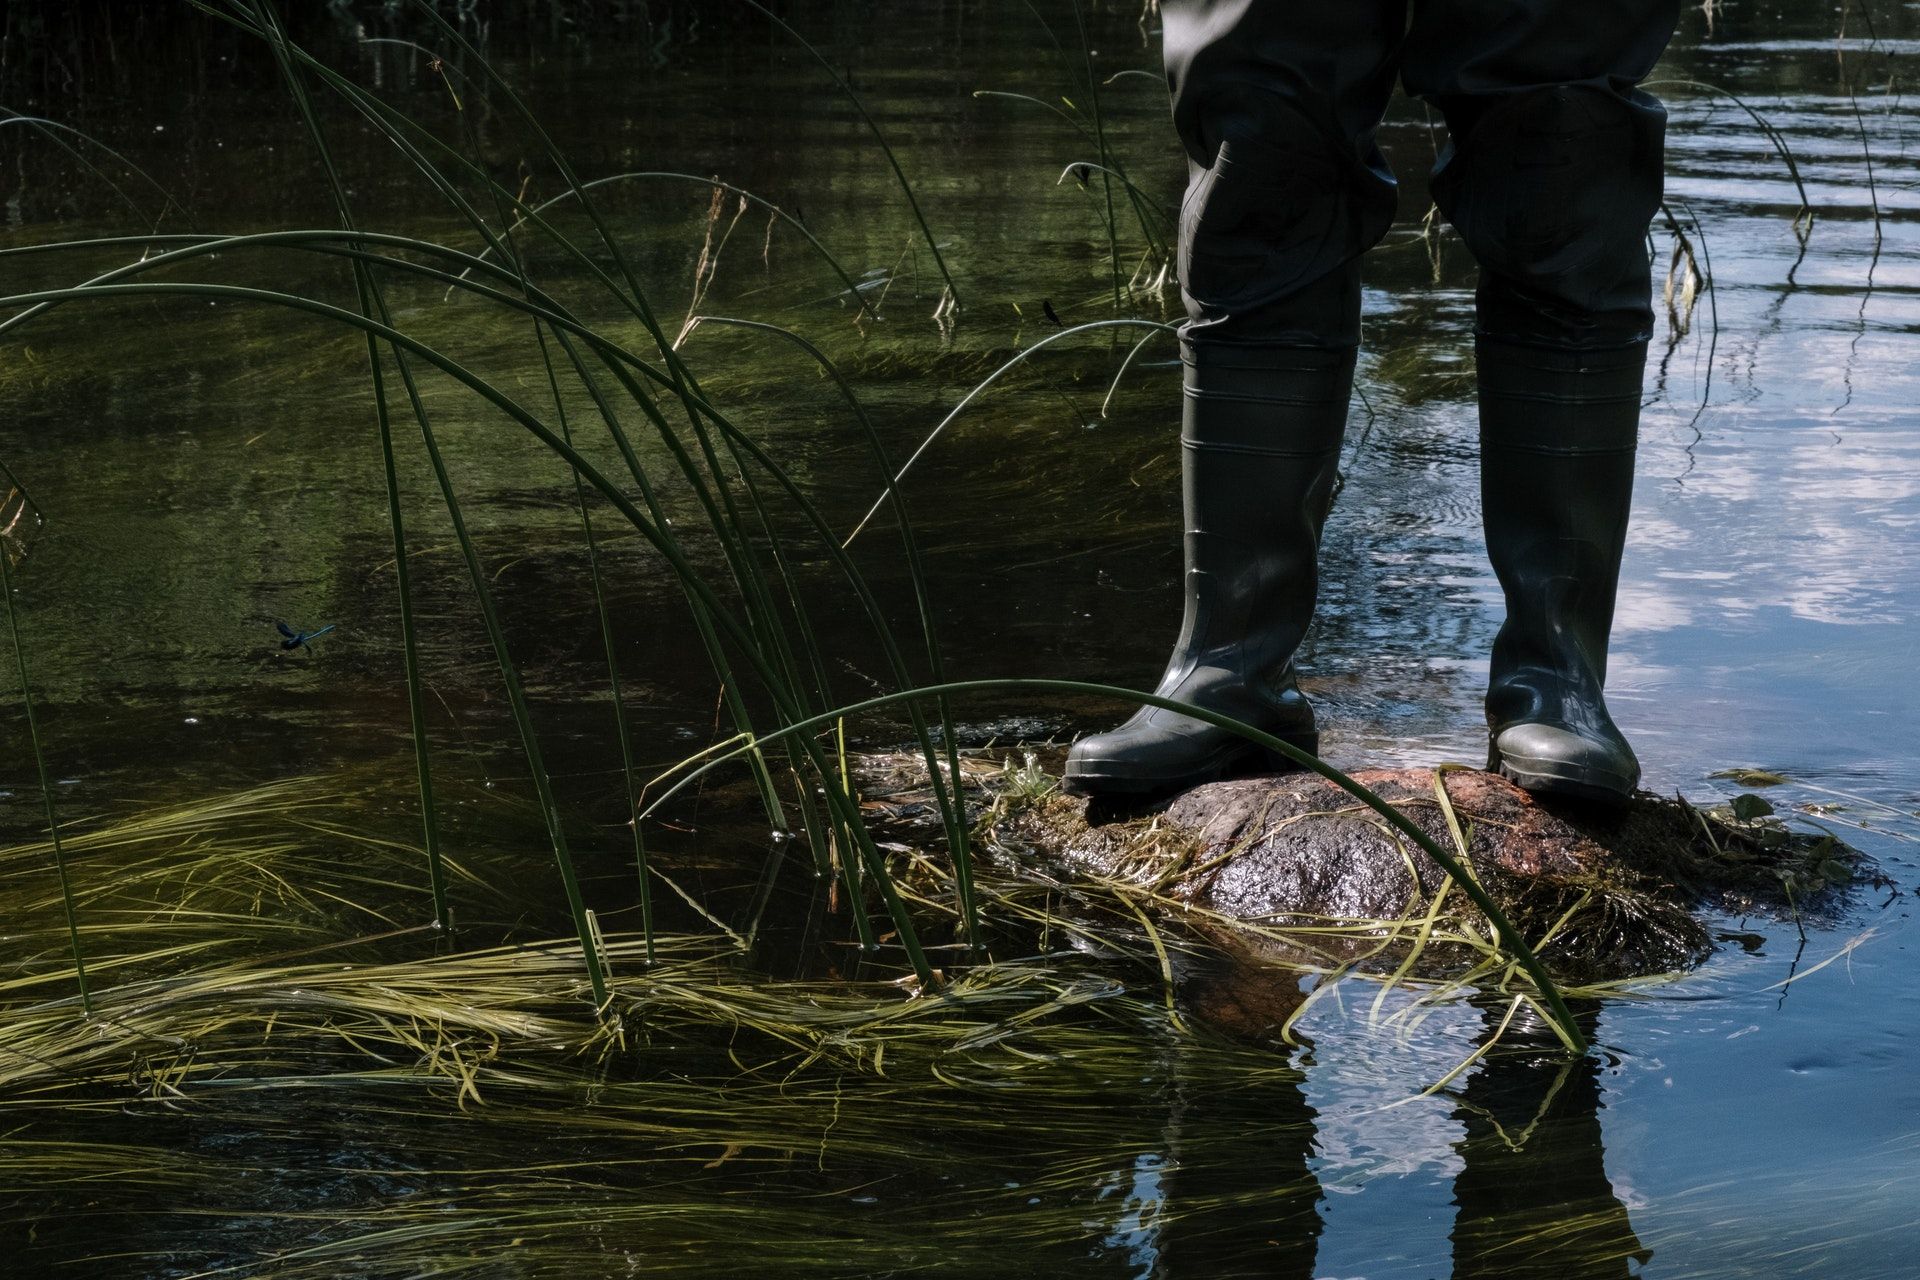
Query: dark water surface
(208,469)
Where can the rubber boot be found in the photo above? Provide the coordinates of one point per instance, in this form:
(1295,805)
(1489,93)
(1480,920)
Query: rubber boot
(1260,446)
(1557,434)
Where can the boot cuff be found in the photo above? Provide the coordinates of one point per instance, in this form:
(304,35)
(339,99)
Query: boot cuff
(1218,353)
(1606,371)
(1276,376)
(1549,400)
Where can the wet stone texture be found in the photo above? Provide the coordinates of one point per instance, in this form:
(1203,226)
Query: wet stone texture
(1620,893)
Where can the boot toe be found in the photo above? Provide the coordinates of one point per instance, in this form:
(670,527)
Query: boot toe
(1139,761)
(1550,759)
(1160,753)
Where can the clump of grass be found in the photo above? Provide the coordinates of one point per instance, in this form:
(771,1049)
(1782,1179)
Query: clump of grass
(1027,782)
(1604,900)
(1504,939)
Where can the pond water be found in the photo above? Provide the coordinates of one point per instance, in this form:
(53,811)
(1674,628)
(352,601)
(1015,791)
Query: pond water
(207,468)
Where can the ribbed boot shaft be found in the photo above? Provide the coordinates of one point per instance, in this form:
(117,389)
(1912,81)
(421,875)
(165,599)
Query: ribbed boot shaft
(1557,441)
(1260,449)
(1260,432)
(1263,400)
(1544,401)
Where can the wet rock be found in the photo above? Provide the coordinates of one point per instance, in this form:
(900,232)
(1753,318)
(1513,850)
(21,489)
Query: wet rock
(1612,894)
(1292,862)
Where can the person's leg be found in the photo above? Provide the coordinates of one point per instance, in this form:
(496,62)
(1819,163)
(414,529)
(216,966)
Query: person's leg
(1276,103)
(1552,176)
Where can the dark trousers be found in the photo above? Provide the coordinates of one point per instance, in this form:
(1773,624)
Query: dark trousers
(1551,177)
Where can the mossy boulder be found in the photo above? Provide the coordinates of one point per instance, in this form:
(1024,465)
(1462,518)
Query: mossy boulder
(1611,893)
(1259,861)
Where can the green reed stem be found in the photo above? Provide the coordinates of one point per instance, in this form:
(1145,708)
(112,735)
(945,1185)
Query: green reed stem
(373,306)
(1767,128)
(1100,138)
(52,129)
(410,651)
(810,821)
(951,806)
(621,730)
(980,388)
(403,580)
(46,784)
(906,187)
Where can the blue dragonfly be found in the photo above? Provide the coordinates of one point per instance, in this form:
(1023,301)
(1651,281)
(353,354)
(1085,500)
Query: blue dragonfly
(298,639)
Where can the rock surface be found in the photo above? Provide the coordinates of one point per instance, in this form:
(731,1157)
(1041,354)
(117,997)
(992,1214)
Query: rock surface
(1612,893)
(1615,893)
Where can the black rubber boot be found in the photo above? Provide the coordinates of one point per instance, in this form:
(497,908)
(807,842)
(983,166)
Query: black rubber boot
(1557,434)
(1260,444)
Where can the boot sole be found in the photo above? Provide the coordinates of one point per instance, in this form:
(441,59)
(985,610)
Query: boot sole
(1098,781)
(1557,778)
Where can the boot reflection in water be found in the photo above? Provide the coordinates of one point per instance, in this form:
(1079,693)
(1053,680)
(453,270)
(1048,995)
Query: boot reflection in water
(1551,177)
(1532,1199)
(1237,1194)
(1239,1197)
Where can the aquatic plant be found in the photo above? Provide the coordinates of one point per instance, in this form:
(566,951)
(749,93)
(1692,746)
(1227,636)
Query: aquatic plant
(1155,223)
(753,620)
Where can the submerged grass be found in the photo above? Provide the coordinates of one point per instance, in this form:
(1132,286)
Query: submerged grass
(730,1114)
(253,941)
